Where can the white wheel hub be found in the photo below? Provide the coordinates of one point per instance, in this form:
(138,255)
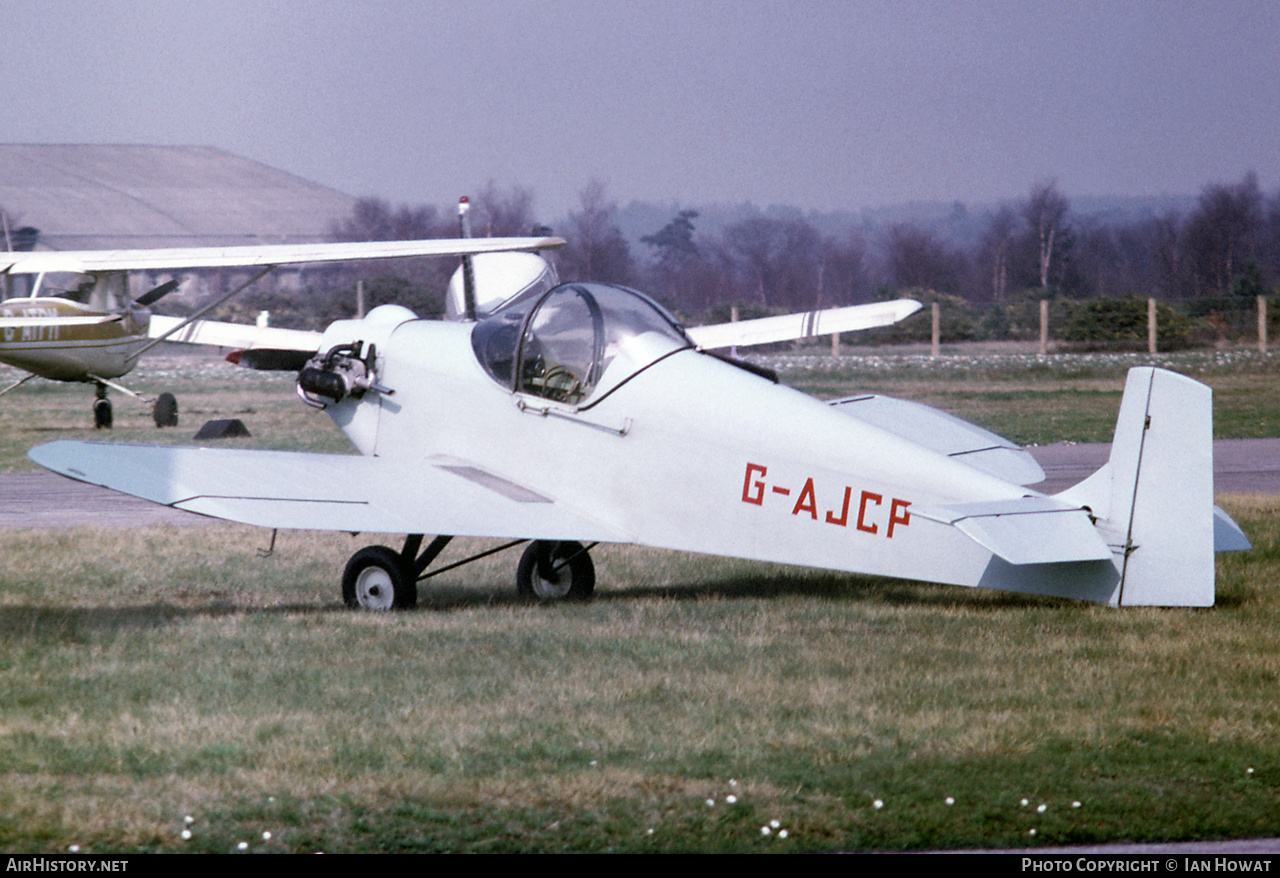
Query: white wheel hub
(374,589)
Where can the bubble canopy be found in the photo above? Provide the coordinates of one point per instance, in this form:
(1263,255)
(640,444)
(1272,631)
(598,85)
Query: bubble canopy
(575,343)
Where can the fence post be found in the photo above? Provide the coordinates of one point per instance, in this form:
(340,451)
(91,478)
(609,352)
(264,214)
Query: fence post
(733,318)
(1262,324)
(1151,326)
(1044,327)
(937,332)
(835,344)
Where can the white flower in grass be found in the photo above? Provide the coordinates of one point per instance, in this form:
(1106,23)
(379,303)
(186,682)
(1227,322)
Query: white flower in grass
(877,804)
(764,830)
(186,834)
(242,846)
(950,801)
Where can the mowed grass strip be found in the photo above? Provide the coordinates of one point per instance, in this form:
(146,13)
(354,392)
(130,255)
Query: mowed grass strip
(153,675)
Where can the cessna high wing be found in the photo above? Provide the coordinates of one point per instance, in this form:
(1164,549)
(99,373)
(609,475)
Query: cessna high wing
(100,339)
(564,415)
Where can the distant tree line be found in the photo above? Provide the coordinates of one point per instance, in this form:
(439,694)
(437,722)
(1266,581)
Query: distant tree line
(1216,257)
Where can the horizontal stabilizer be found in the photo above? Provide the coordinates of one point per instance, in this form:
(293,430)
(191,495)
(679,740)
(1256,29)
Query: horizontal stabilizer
(946,434)
(1227,535)
(809,324)
(1029,530)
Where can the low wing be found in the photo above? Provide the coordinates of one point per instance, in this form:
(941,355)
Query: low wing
(281,489)
(90,261)
(809,324)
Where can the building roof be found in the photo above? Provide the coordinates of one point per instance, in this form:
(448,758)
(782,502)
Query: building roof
(90,197)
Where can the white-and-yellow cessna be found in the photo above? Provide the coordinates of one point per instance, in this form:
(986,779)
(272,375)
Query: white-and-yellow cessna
(573,414)
(90,330)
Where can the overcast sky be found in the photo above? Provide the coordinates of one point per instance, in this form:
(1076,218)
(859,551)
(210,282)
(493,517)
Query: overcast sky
(822,105)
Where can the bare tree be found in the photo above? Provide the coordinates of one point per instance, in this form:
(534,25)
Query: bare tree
(1046,213)
(498,214)
(844,269)
(595,248)
(1223,233)
(916,258)
(755,243)
(995,251)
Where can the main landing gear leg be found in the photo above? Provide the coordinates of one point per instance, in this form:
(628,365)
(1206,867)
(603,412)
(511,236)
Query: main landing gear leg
(380,578)
(164,408)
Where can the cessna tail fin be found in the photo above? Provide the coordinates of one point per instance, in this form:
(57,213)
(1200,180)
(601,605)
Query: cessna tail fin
(1153,500)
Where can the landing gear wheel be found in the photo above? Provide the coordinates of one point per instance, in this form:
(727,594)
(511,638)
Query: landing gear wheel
(376,579)
(556,571)
(165,411)
(102,414)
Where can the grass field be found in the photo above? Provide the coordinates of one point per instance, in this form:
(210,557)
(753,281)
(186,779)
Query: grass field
(168,680)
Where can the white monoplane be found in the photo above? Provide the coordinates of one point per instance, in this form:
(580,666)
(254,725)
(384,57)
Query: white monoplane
(581,413)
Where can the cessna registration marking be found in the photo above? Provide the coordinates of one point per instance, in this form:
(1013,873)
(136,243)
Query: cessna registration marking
(32,333)
(871,507)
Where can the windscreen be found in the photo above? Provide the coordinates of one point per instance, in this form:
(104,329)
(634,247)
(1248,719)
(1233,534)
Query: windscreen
(576,343)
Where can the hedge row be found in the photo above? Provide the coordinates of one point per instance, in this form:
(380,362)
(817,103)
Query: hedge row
(1101,323)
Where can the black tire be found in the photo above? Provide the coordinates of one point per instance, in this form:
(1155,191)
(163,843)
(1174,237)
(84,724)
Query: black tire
(165,411)
(102,414)
(556,571)
(376,579)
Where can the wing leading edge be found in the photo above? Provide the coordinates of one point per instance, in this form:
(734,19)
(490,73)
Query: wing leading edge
(163,259)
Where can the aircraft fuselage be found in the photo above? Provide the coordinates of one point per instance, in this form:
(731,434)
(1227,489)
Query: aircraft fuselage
(690,453)
(64,340)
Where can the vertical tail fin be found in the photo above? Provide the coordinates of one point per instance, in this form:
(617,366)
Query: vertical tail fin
(1154,497)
